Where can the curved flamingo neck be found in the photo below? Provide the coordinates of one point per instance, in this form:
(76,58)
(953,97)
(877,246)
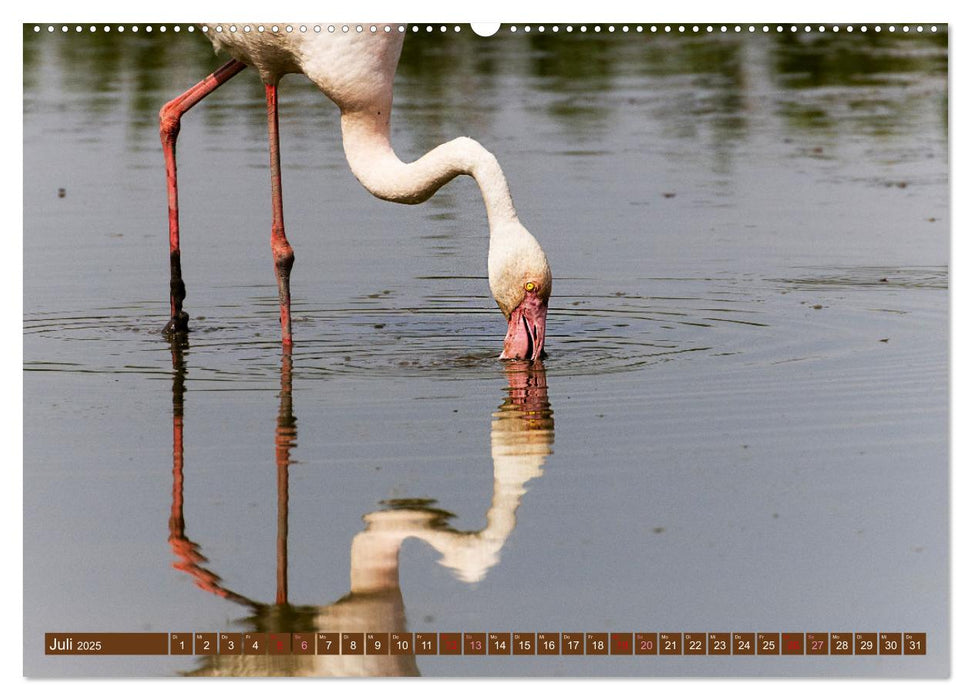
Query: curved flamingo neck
(367,145)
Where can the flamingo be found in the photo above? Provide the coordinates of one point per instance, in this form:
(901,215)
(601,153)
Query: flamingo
(356,71)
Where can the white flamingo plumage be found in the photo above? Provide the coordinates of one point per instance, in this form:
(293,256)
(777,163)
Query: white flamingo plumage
(356,71)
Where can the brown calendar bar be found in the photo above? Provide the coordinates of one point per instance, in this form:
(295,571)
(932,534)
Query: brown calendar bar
(328,643)
(817,643)
(206,643)
(450,643)
(915,643)
(548,643)
(766,644)
(377,643)
(180,643)
(426,643)
(597,644)
(622,643)
(891,643)
(254,643)
(719,643)
(572,643)
(352,643)
(645,643)
(401,643)
(694,644)
(865,643)
(743,643)
(303,643)
(106,643)
(500,643)
(278,643)
(523,643)
(230,644)
(669,643)
(475,643)
(840,643)
(793,643)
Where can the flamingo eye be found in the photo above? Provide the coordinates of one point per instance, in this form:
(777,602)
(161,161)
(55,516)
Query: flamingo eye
(530,286)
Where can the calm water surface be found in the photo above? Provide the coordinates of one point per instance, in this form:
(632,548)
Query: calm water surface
(741,425)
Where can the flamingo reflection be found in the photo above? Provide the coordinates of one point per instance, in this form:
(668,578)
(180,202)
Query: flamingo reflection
(522,436)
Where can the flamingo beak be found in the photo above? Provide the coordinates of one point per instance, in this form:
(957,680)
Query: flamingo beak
(527,330)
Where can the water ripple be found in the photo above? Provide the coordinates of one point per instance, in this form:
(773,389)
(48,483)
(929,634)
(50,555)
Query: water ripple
(590,330)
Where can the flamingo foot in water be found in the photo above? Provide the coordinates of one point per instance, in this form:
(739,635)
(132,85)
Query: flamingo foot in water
(179,321)
(177,324)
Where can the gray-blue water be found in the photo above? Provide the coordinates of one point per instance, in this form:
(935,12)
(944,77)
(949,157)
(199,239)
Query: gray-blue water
(741,425)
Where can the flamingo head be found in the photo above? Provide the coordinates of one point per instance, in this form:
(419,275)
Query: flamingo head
(520,280)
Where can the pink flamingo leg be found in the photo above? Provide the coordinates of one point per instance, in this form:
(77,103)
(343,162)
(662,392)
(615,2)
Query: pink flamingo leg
(169,124)
(282,252)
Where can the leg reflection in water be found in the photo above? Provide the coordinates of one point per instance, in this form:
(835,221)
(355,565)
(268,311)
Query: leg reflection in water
(522,437)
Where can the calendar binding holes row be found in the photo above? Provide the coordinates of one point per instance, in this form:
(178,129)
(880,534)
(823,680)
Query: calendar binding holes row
(418,29)
(490,643)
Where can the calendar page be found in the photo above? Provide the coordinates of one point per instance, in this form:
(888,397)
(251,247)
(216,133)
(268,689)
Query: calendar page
(513,350)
